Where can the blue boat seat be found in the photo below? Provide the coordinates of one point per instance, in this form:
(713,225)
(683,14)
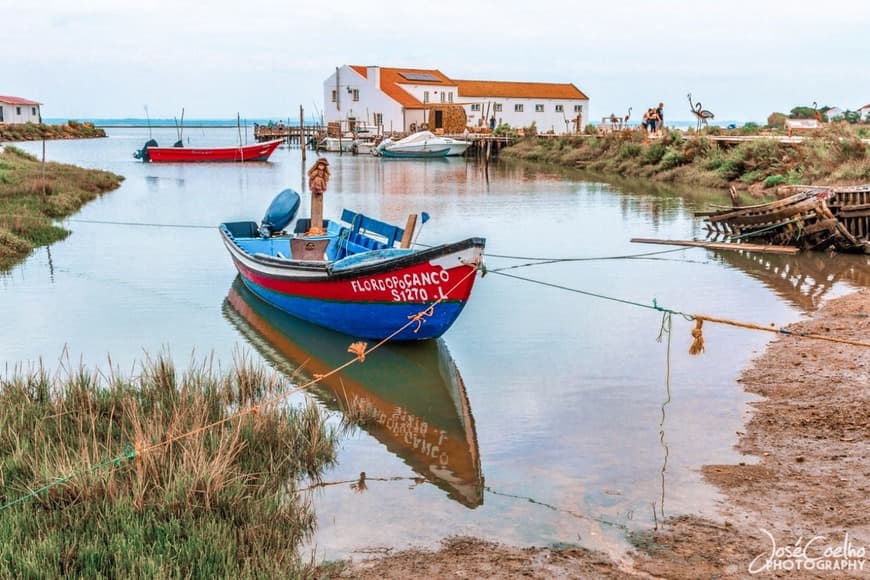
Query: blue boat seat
(354,239)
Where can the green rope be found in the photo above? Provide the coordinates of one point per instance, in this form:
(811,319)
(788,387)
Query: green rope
(127,456)
(654,305)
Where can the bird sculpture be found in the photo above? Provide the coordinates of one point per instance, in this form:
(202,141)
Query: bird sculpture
(816,113)
(626,118)
(701,114)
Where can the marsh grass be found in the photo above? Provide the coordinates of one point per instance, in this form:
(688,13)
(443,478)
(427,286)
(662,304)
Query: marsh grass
(26,215)
(835,154)
(217,503)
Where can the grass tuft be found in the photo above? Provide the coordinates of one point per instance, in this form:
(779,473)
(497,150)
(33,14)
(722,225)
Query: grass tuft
(216,503)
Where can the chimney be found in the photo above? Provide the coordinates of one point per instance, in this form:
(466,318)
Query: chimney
(374,75)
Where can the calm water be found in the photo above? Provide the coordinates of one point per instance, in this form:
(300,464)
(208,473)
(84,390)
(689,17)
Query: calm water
(535,394)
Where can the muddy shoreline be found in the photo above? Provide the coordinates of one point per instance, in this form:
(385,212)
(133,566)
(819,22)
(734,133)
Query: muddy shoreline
(805,480)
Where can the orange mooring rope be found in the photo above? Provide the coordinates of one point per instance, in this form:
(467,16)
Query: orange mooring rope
(698,344)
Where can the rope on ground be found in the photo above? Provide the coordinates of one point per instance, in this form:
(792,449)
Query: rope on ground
(697,346)
(127,456)
(359,349)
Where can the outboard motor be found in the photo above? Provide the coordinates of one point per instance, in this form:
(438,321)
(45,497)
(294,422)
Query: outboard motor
(143,153)
(281,212)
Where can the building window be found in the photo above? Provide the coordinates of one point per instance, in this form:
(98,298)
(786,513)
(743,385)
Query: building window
(450,96)
(334,95)
(17,110)
(497,107)
(425,96)
(539,108)
(475,106)
(443,96)
(518,108)
(356,94)
(378,119)
(578,108)
(560,109)
(33,110)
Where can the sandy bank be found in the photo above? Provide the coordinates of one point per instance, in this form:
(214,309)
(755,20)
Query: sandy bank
(806,475)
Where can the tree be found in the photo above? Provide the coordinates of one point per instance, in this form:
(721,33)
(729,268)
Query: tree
(852,117)
(776,120)
(802,113)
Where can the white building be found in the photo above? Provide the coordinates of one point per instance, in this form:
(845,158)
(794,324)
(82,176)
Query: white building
(865,113)
(403,99)
(18,110)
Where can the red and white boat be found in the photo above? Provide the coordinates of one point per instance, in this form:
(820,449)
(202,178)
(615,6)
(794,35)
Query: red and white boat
(257,152)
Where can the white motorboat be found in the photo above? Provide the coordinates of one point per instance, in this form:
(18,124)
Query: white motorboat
(423,141)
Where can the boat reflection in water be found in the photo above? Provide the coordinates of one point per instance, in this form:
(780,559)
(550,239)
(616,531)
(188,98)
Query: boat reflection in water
(804,279)
(414,391)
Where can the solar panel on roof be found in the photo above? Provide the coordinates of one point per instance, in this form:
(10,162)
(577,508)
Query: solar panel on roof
(420,77)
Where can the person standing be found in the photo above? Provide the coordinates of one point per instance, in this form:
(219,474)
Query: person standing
(660,114)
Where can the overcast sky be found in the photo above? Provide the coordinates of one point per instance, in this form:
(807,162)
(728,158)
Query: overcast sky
(741,58)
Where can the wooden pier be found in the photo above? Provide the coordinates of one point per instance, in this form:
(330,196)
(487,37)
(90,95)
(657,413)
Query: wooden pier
(291,134)
(483,145)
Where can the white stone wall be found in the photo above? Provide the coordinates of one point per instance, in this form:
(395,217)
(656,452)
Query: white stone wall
(19,113)
(546,120)
(371,99)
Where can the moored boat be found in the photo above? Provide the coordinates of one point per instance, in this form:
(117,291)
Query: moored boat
(177,154)
(814,218)
(356,275)
(421,141)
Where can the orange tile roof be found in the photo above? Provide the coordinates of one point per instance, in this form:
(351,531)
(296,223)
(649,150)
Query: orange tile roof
(519,90)
(391,78)
(17,101)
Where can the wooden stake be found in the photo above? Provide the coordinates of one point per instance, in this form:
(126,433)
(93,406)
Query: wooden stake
(301,132)
(409,231)
(767,249)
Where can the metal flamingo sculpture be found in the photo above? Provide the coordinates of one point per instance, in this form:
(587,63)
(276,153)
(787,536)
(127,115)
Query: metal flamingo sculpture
(701,114)
(627,117)
(816,112)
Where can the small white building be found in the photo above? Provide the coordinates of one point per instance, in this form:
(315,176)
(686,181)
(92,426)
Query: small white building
(17,110)
(833,113)
(865,112)
(403,99)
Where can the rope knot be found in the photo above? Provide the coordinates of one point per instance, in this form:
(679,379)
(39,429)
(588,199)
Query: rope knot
(418,318)
(698,336)
(359,349)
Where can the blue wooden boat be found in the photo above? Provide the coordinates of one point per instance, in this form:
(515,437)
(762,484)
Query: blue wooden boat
(353,278)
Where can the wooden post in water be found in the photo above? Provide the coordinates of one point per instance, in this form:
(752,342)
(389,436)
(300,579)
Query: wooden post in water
(409,231)
(43,167)
(301,131)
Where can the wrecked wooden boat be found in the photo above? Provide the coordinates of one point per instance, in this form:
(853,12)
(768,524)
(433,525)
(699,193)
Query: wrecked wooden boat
(813,218)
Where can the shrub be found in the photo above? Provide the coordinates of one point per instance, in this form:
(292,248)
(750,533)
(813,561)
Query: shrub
(730,169)
(654,154)
(630,150)
(773,180)
(672,158)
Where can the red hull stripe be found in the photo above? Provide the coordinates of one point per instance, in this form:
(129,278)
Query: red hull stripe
(418,283)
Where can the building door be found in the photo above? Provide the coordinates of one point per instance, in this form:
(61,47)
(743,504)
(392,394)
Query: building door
(1,113)
(439,119)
